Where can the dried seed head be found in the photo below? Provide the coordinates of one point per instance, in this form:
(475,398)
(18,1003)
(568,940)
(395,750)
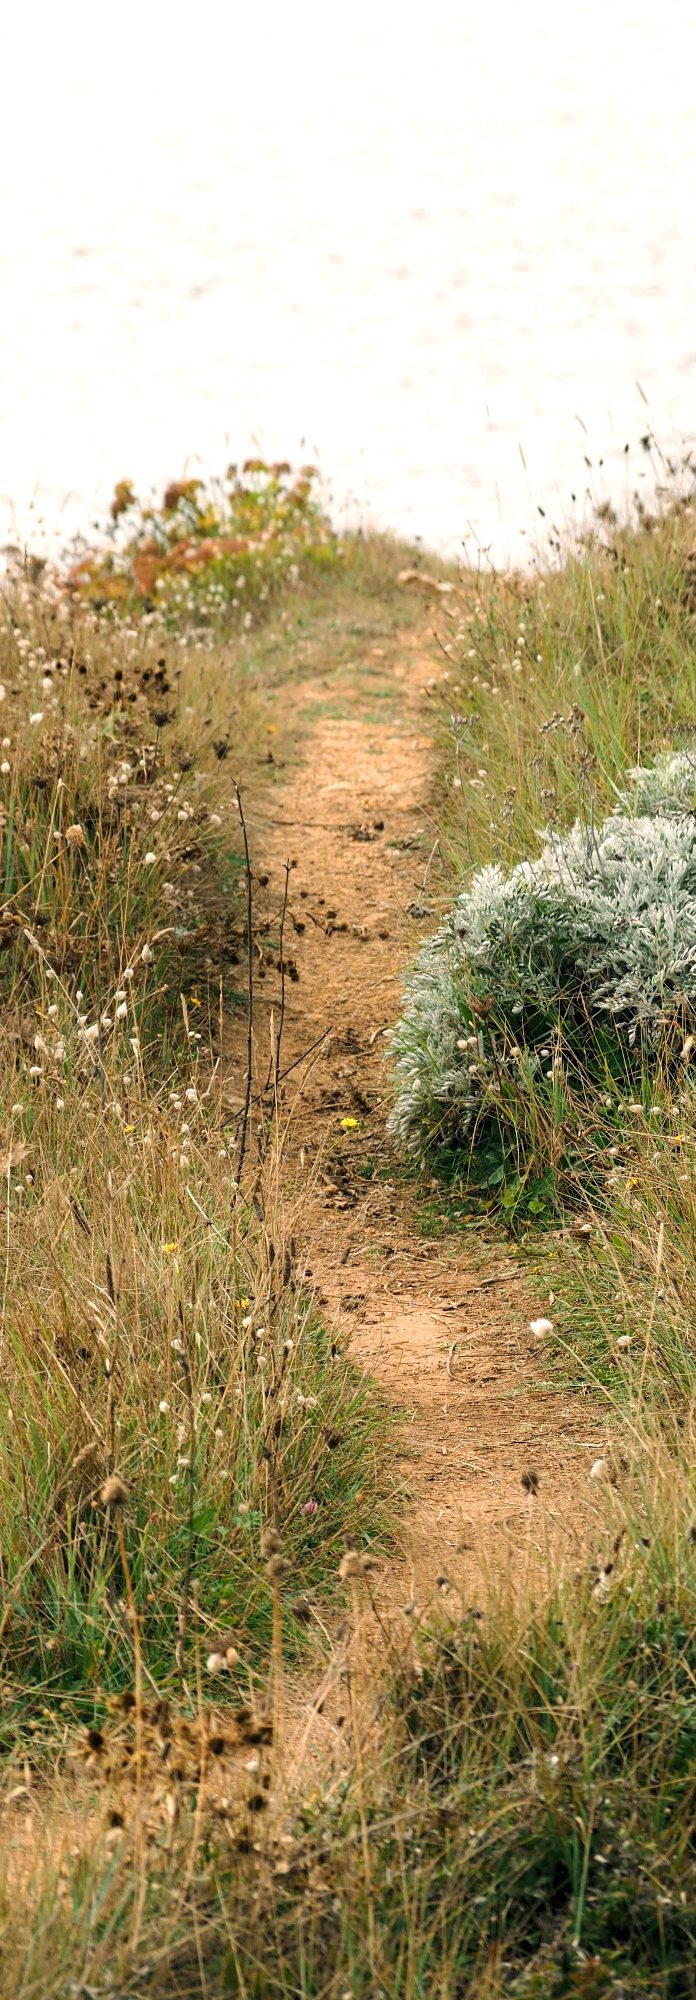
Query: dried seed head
(530,1482)
(352,1565)
(114,1492)
(277,1568)
(270,1542)
(600,1469)
(121,1704)
(215,1663)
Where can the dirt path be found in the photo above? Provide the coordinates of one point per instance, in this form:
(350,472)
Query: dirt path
(442,1325)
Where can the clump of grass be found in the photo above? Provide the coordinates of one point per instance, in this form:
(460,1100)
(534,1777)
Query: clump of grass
(155,1324)
(118,822)
(626,1311)
(155,1328)
(519,1821)
(210,551)
(562,679)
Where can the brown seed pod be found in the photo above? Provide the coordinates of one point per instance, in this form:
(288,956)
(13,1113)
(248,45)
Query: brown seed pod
(114,1492)
(277,1568)
(351,1565)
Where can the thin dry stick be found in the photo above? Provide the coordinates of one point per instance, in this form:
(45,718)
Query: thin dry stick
(653,1308)
(305,1052)
(276,1667)
(354,1694)
(274,1064)
(184,1600)
(139,1741)
(250,988)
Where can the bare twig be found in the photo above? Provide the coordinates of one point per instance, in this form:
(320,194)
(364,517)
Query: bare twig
(305,1052)
(185,1597)
(274,1064)
(244,1127)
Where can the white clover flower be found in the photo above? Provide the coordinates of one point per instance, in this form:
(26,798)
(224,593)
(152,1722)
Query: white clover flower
(37,716)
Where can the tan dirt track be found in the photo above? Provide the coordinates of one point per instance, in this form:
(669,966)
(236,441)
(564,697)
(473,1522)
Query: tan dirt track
(442,1325)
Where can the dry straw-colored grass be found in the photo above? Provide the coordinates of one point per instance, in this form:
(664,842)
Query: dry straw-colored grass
(504,1797)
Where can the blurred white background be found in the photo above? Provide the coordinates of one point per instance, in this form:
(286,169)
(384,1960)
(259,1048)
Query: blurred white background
(424,246)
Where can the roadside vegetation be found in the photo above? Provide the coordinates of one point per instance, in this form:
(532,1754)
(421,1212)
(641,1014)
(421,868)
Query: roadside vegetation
(194,1511)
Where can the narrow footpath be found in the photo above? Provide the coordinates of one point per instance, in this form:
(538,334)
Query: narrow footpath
(441,1324)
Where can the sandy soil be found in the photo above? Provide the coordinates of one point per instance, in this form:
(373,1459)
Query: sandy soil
(442,1325)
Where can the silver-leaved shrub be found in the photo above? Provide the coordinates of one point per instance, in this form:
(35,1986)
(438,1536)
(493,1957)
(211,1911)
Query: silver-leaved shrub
(600,929)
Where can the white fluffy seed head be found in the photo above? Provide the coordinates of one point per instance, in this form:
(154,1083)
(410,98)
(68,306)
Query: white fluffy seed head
(600,1469)
(540,1328)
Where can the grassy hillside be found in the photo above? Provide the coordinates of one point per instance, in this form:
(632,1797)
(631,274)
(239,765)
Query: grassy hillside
(512,1811)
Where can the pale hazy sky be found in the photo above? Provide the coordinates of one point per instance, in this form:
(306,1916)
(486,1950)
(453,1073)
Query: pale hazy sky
(424,241)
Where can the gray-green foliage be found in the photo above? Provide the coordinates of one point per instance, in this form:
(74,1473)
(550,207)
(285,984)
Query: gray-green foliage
(600,928)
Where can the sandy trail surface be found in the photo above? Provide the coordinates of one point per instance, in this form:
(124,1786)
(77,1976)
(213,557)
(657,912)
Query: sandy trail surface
(441,1324)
